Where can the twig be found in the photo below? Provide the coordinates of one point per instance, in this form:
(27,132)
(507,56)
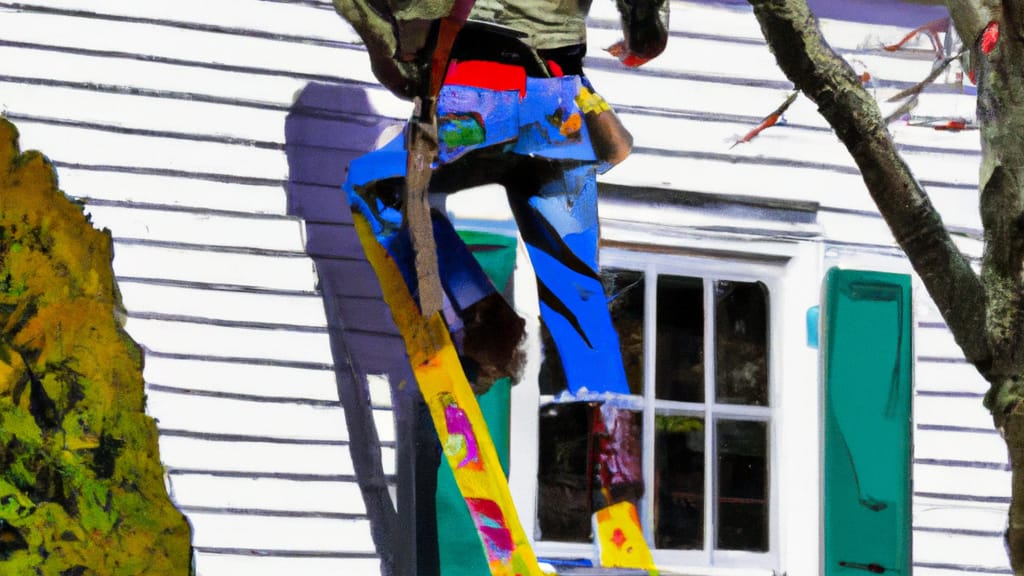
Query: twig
(917,88)
(768,121)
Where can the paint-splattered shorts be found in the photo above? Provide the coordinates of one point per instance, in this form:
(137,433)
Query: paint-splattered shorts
(529,135)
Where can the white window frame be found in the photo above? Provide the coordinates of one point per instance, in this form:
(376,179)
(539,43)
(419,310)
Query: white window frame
(708,560)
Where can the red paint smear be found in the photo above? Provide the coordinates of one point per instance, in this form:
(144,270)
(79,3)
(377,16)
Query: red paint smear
(766,124)
(952,125)
(990,37)
(627,58)
(618,538)
(489,75)
(490,522)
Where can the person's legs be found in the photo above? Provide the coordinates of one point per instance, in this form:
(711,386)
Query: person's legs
(555,205)
(375,190)
(490,331)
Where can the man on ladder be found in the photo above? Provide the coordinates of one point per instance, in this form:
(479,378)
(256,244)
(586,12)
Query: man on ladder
(500,97)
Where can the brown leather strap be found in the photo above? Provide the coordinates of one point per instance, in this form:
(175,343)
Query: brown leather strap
(421,150)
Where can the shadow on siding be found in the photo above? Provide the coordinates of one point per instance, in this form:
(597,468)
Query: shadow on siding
(327,127)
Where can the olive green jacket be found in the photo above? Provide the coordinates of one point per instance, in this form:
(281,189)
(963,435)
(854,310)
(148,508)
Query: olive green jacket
(396,32)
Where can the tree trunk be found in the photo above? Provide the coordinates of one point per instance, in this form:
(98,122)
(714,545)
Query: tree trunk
(986,314)
(1001,117)
(1013,432)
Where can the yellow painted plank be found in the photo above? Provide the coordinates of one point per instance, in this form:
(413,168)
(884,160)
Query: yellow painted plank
(620,540)
(460,425)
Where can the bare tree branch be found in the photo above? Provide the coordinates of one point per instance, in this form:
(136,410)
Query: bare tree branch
(810,63)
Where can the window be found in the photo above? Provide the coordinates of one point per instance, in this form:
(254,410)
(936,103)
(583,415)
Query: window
(696,353)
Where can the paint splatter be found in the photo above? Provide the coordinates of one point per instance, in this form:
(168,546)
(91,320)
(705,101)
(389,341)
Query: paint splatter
(461,129)
(990,37)
(572,125)
(490,521)
(461,439)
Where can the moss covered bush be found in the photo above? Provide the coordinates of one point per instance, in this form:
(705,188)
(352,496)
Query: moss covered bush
(81,484)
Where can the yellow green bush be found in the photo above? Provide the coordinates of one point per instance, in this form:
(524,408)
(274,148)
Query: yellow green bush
(81,484)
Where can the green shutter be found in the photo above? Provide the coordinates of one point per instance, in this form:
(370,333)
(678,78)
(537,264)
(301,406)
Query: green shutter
(867,366)
(459,545)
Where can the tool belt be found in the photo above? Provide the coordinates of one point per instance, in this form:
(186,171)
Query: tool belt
(487,42)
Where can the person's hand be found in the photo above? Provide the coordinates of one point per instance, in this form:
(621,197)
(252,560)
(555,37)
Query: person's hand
(620,51)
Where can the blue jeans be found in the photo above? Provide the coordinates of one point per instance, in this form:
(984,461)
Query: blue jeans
(538,148)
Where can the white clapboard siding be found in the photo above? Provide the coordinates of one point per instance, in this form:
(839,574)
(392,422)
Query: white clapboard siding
(97,147)
(942,570)
(948,377)
(182,43)
(203,454)
(232,268)
(170,78)
(944,411)
(149,112)
(937,514)
(280,533)
(723,176)
(202,229)
(286,19)
(265,380)
(983,483)
(937,342)
(959,535)
(665,131)
(199,338)
(869,229)
(979,447)
(305,310)
(219,563)
(266,493)
(155,189)
(258,418)
(960,141)
(727,58)
(959,550)
(213,415)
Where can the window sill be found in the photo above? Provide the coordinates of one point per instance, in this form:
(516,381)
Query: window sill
(713,571)
(565,550)
(663,571)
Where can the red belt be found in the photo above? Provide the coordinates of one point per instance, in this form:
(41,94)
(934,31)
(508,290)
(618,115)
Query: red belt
(491,75)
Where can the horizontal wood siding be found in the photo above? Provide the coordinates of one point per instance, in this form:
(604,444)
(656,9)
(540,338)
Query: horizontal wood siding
(211,137)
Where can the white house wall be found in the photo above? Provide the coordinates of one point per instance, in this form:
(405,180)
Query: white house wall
(168,120)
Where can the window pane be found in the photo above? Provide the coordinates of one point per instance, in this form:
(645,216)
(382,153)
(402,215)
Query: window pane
(563,479)
(679,482)
(680,355)
(742,485)
(625,290)
(741,343)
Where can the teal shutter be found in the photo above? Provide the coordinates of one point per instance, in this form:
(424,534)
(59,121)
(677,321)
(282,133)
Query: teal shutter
(867,366)
(458,543)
